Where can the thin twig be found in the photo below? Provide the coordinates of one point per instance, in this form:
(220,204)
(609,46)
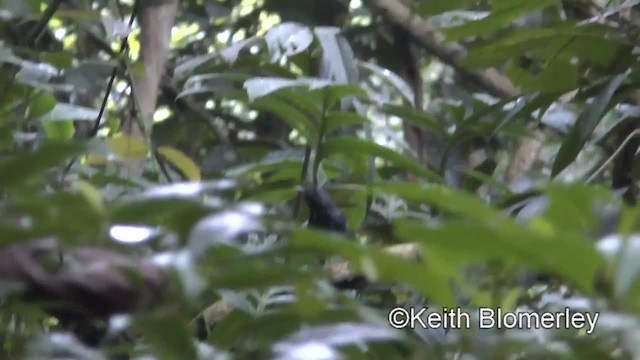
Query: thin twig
(38,30)
(614,155)
(124,45)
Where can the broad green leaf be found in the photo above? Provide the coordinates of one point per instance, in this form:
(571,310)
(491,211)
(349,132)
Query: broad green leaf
(558,77)
(288,113)
(346,145)
(573,207)
(68,215)
(41,104)
(169,335)
(21,165)
(500,18)
(584,126)
(59,130)
(59,59)
(182,162)
(444,198)
(591,43)
(253,274)
(376,263)
(572,257)
(306,101)
(333,94)
(338,119)
(128,147)
(44,107)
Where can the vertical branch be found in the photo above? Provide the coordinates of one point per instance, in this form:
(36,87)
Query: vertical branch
(157,18)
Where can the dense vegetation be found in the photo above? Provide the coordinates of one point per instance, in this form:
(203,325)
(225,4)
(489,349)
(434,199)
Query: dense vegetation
(314,164)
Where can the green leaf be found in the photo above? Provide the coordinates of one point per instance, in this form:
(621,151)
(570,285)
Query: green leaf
(59,130)
(338,119)
(559,76)
(584,126)
(332,94)
(182,162)
(348,145)
(288,113)
(169,336)
(571,257)
(22,165)
(41,104)
(591,43)
(500,18)
(572,207)
(376,263)
(444,198)
(60,59)
(253,274)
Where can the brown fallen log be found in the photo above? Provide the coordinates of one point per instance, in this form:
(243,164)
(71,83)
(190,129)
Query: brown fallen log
(82,282)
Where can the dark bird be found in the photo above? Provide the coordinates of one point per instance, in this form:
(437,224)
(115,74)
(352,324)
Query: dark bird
(323,212)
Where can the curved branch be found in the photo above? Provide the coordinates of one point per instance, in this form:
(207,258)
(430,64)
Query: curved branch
(450,53)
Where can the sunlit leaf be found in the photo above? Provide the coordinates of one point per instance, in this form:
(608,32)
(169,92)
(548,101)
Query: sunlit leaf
(287,39)
(182,162)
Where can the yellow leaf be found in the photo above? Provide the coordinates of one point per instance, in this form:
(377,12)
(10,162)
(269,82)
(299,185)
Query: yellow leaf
(182,162)
(127,147)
